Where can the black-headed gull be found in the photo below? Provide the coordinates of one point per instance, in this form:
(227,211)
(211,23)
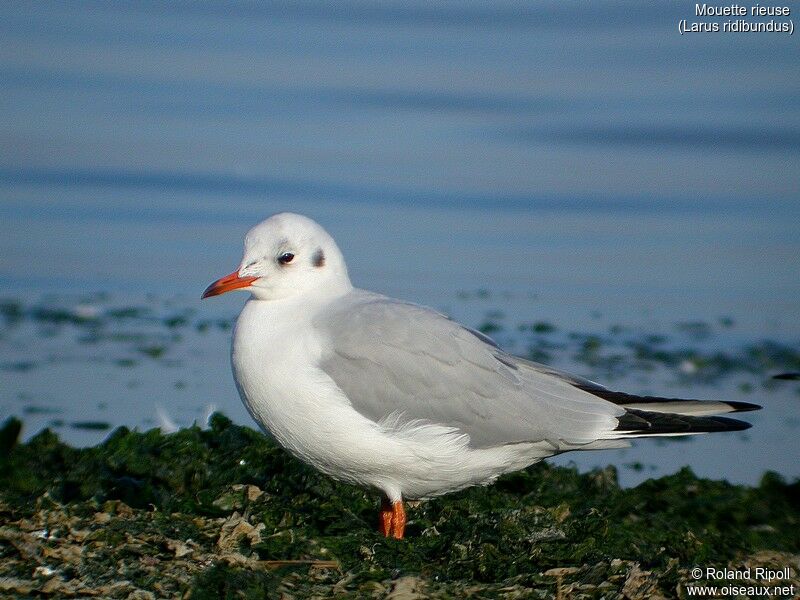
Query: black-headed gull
(397,397)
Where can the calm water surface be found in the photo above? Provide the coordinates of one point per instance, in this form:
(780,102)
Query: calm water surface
(581,165)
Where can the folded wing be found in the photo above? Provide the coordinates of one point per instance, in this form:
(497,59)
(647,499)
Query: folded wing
(398,362)
(394,359)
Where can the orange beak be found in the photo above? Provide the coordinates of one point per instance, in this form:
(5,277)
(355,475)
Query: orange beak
(227,284)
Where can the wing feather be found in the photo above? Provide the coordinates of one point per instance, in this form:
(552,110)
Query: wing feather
(395,358)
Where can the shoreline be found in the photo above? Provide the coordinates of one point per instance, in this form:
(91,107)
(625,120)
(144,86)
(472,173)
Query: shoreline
(210,513)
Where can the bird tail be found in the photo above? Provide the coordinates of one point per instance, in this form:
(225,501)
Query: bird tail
(640,423)
(653,416)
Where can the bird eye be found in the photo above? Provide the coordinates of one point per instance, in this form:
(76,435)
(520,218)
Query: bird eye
(286,258)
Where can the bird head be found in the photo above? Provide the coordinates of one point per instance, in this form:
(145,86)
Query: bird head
(286,255)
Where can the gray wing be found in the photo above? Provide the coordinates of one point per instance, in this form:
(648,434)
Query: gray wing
(398,360)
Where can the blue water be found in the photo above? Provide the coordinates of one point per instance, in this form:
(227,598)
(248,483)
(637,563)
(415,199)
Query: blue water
(582,162)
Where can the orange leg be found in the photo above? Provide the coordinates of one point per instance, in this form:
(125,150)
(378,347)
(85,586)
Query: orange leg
(392,519)
(398,520)
(385,518)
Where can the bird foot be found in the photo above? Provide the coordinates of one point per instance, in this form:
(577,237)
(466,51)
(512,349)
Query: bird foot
(392,519)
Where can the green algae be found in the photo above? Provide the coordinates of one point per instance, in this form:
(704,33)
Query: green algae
(178,486)
(91,425)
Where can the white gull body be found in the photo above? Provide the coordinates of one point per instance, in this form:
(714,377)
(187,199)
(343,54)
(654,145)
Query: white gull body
(278,357)
(394,396)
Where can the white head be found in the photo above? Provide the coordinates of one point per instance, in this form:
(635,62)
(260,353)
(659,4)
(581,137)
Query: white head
(287,255)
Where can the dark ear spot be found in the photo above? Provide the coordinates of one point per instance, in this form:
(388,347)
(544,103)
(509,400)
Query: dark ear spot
(318,260)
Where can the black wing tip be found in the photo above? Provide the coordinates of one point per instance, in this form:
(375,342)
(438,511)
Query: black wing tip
(742,406)
(732,424)
(640,422)
(623,398)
